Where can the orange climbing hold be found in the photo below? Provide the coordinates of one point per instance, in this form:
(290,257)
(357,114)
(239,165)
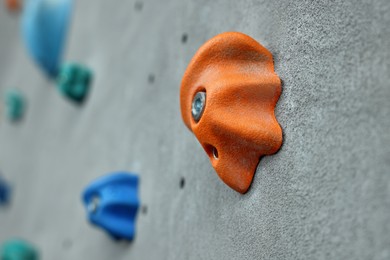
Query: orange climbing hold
(13,5)
(228,96)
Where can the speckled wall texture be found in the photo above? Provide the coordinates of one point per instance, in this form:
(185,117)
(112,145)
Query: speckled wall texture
(324,195)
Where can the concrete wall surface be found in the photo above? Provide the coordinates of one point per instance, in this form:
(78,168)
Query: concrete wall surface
(324,195)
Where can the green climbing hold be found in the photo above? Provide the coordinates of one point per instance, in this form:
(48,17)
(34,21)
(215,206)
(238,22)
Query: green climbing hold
(73,81)
(15,104)
(17,249)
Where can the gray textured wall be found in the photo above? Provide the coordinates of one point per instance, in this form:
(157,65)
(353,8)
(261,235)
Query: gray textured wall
(324,195)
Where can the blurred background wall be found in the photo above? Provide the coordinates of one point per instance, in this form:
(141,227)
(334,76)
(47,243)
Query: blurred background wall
(324,195)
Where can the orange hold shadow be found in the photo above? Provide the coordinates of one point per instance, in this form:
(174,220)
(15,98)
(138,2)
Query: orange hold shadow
(237,125)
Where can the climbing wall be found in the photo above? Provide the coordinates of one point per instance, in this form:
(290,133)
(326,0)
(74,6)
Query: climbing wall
(324,195)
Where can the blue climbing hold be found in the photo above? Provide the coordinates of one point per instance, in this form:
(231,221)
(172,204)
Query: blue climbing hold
(44,28)
(112,203)
(5,191)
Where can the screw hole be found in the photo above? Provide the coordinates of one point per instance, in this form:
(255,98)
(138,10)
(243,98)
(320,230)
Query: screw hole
(182,182)
(67,243)
(138,6)
(151,78)
(184,38)
(215,153)
(144,209)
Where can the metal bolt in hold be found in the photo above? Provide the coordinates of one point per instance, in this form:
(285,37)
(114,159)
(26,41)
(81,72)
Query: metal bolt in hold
(198,105)
(93,204)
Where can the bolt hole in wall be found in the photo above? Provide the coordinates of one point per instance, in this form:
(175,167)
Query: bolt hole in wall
(184,38)
(67,244)
(138,6)
(151,78)
(182,182)
(144,209)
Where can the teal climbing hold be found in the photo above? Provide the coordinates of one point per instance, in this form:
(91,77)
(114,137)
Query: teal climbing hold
(73,81)
(17,249)
(15,104)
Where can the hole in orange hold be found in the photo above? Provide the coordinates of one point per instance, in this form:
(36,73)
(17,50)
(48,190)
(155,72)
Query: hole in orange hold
(215,153)
(212,151)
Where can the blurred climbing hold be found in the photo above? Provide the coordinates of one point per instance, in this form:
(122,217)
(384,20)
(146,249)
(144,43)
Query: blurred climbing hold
(15,104)
(17,249)
(73,81)
(5,191)
(112,203)
(44,27)
(228,96)
(13,5)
